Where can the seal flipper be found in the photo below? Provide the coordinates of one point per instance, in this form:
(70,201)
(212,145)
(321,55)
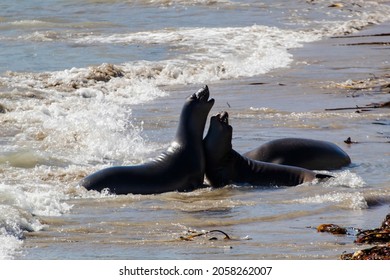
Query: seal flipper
(323,176)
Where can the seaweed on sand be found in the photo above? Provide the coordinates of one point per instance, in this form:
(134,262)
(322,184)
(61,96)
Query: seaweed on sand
(379,236)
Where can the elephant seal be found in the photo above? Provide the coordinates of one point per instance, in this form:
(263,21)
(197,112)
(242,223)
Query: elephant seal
(226,166)
(305,153)
(180,168)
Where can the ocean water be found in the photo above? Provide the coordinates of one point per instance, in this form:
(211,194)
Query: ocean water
(94,83)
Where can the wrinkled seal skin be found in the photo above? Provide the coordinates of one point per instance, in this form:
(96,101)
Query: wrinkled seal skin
(305,153)
(180,168)
(226,166)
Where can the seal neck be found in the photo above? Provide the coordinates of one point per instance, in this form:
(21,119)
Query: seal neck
(190,128)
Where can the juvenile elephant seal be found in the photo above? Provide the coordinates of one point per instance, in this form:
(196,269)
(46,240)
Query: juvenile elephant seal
(180,168)
(305,153)
(226,166)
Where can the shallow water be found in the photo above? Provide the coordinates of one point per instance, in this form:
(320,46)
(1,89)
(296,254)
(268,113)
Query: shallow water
(106,87)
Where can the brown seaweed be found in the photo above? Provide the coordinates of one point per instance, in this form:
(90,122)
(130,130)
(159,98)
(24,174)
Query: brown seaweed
(332,228)
(378,236)
(373,253)
(374,236)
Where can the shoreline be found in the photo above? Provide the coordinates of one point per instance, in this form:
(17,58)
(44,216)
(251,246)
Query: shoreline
(318,65)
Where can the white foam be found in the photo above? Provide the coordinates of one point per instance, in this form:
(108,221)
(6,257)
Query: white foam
(345,179)
(87,124)
(95,130)
(341,191)
(18,209)
(374,13)
(199,55)
(210,54)
(28,23)
(354,201)
(36,199)
(10,244)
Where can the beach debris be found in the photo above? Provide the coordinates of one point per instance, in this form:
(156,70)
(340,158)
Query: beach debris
(194,234)
(386,222)
(257,83)
(373,236)
(367,44)
(378,236)
(380,105)
(374,84)
(332,228)
(336,5)
(75,79)
(349,141)
(363,108)
(373,253)
(105,72)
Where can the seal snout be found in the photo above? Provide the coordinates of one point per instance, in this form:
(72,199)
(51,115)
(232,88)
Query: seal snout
(203,94)
(223,117)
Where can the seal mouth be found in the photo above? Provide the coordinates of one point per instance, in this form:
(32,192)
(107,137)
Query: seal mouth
(202,95)
(223,117)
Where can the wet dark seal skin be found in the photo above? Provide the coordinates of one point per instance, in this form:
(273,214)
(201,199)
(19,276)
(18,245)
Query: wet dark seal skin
(226,166)
(306,153)
(180,168)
